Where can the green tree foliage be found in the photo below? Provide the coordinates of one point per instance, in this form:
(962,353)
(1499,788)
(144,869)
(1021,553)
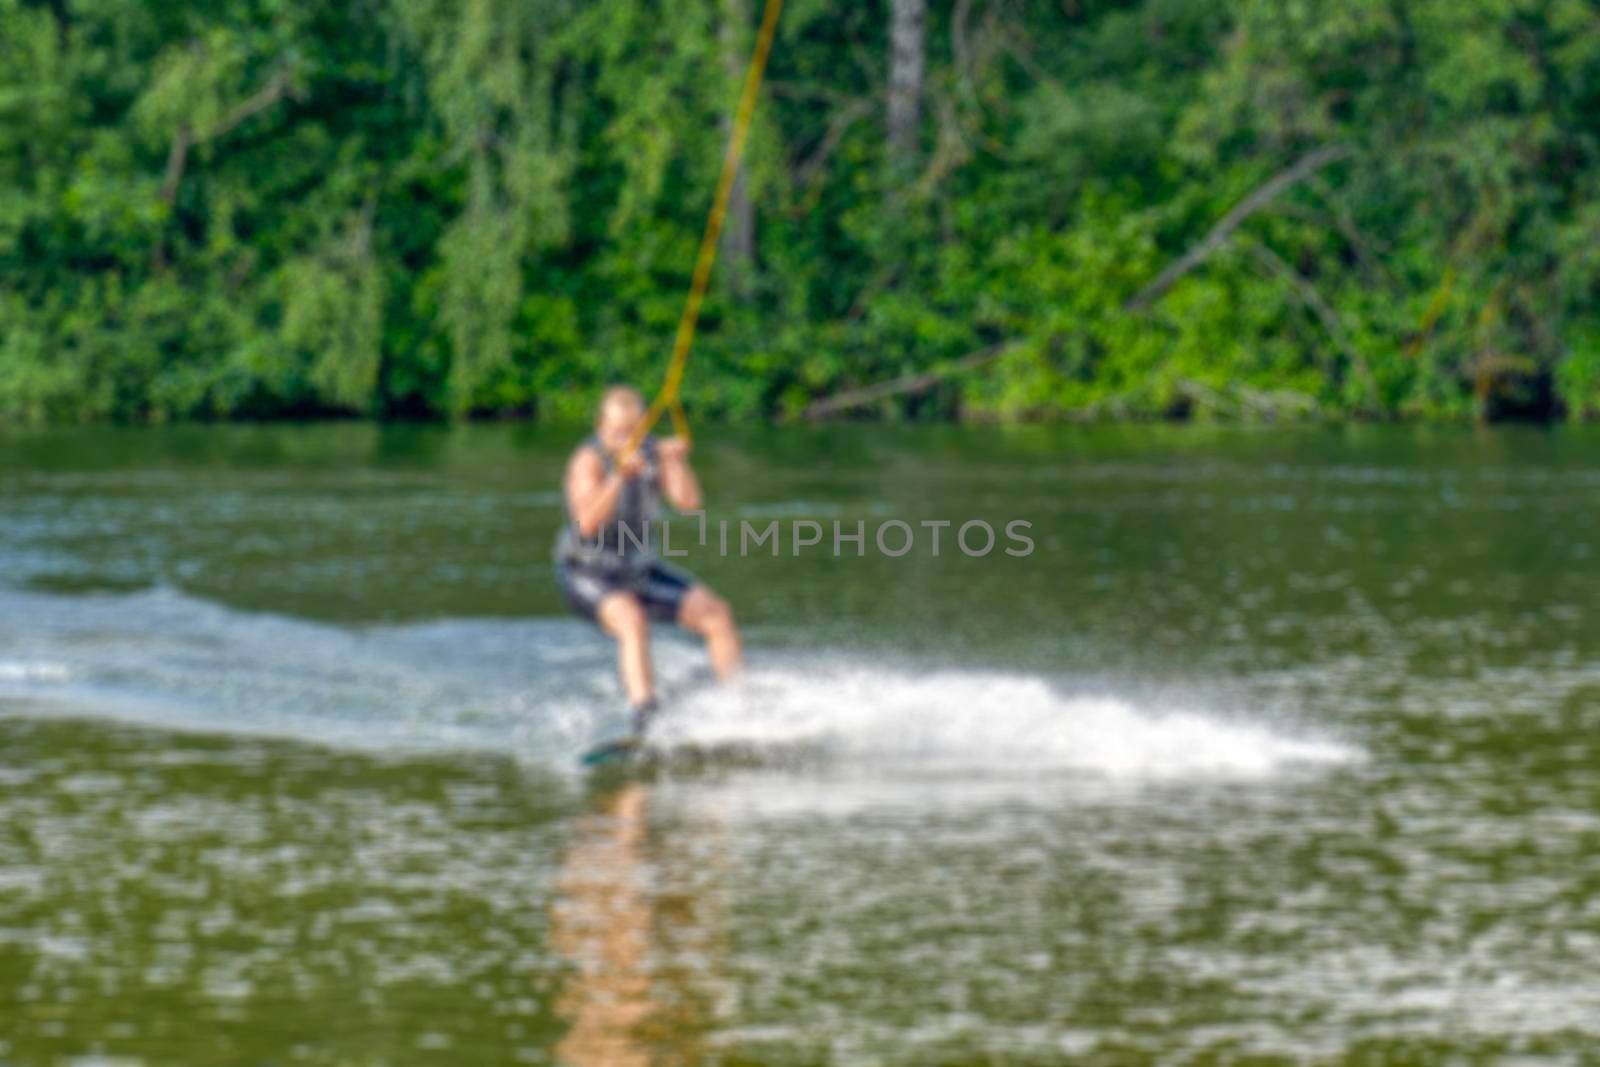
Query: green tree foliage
(258,208)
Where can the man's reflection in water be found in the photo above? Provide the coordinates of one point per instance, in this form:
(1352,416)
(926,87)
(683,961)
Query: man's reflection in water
(643,936)
(602,925)
(642,927)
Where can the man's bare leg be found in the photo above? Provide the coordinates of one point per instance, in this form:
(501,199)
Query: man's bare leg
(622,616)
(708,615)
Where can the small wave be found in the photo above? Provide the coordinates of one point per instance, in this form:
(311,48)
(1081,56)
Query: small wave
(967,719)
(33,671)
(545,689)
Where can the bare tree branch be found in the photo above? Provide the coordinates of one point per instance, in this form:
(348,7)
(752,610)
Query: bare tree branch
(951,150)
(1263,195)
(176,158)
(1017,48)
(810,169)
(905,384)
(1240,399)
(1312,299)
(962,53)
(971,61)
(276,89)
(1372,267)
(885,277)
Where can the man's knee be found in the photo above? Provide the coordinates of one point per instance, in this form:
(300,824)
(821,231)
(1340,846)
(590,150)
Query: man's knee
(713,614)
(626,619)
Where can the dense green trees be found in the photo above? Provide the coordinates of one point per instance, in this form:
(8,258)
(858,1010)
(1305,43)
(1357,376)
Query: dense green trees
(403,207)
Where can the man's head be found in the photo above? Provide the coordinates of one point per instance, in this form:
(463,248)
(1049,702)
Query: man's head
(621,407)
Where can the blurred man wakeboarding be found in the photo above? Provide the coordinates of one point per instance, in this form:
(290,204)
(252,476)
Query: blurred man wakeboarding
(605,558)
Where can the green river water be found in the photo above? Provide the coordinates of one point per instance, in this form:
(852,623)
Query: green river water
(1279,747)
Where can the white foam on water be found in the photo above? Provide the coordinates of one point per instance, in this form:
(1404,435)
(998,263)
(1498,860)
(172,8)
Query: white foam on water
(544,690)
(975,719)
(33,671)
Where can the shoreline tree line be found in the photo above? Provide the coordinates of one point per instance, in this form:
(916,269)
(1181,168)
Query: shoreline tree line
(982,209)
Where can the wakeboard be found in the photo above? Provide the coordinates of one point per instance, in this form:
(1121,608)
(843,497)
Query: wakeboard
(614,751)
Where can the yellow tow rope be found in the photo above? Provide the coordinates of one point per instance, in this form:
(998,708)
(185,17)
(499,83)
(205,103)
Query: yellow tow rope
(667,399)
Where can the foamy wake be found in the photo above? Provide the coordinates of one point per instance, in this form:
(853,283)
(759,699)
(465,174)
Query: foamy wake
(546,690)
(975,719)
(33,671)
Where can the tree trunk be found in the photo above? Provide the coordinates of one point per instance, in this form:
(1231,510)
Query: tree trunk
(906,59)
(739,228)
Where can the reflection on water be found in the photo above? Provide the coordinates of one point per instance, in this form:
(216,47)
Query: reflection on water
(602,923)
(1281,749)
(638,915)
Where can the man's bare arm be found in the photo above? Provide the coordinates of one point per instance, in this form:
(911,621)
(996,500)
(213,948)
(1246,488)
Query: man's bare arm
(591,492)
(678,483)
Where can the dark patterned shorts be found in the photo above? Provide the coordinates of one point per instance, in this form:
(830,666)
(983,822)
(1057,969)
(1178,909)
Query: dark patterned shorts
(659,586)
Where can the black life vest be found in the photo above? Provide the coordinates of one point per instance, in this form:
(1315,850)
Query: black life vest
(626,536)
